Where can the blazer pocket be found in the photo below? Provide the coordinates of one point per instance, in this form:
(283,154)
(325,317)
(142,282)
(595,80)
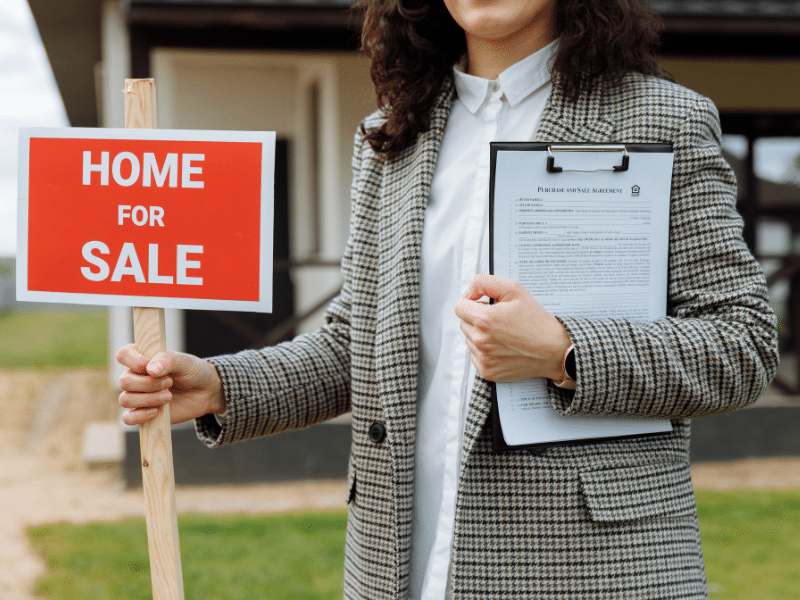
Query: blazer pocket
(639,492)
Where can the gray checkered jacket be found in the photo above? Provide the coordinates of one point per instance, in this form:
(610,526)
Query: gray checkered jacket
(610,519)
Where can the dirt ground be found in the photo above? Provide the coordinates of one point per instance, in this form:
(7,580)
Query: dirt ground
(43,478)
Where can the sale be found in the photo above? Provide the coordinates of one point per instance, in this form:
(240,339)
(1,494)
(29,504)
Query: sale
(128,264)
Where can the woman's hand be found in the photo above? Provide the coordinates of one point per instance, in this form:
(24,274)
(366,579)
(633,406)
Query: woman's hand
(513,339)
(191,386)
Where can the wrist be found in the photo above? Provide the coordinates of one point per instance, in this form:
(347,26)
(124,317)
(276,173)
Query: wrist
(559,350)
(217,393)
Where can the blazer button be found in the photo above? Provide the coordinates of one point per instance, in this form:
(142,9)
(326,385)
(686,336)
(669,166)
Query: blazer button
(377,431)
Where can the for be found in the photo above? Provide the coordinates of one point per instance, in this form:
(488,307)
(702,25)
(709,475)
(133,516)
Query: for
(140,214)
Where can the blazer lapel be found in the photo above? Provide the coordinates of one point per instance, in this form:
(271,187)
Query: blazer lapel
(406,185)
(579,121)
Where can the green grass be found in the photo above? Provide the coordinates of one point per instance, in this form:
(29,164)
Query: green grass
(279,557)
(50,338)
(751,542)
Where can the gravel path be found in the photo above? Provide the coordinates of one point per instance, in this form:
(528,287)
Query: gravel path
(43,480)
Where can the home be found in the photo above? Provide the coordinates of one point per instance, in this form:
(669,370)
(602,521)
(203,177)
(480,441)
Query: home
(292,66)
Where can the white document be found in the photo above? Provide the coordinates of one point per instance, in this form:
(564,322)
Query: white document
(590,244)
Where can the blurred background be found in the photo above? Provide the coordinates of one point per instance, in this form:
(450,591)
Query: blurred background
(293,67)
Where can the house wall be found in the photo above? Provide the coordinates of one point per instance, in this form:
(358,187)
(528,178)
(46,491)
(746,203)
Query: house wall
(736,83)
(275,91)
(313,99)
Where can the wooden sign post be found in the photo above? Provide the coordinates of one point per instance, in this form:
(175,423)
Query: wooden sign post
(155,439)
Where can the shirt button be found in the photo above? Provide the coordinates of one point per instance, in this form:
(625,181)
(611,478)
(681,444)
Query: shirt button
(495,87)
(377,432)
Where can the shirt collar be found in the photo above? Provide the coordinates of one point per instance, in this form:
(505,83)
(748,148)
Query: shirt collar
(517,82)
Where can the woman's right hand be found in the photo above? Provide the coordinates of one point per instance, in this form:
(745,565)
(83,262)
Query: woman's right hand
(190,385)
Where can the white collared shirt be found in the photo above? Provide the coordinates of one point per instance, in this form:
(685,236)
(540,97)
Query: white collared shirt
(455,247)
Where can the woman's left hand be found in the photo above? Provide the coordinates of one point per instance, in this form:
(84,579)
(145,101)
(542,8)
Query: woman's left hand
(513,339)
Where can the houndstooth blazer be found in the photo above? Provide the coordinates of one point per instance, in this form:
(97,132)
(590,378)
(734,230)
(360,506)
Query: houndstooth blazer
(609,519)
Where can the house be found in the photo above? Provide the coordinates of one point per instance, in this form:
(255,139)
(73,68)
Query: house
(289,67)
(292,66)
(285,66)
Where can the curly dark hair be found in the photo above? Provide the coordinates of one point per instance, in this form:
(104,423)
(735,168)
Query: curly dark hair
(413,44)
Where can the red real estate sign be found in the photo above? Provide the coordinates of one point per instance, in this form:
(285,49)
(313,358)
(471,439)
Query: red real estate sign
(173,219)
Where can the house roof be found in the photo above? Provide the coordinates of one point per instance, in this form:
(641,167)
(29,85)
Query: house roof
(669,8)
(71,30)
(693,17)
(251,14)
(746,18)
(229,3)
(268,15)
(727,8)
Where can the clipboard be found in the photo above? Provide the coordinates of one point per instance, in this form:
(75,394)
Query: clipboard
(548,163)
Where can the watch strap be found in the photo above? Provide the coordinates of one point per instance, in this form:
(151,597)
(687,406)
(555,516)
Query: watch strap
(568,369)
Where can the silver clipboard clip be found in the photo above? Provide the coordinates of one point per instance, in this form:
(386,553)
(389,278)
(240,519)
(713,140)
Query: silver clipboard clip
(551,160)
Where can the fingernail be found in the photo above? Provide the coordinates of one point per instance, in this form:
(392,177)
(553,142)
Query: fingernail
(156,369)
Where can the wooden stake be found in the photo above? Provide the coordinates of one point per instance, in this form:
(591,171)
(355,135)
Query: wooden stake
(155,439)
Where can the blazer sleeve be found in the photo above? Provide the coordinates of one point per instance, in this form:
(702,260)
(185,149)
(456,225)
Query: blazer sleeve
(294,384)
(717,348)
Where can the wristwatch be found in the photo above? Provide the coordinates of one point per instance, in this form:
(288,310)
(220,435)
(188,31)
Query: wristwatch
(569,370)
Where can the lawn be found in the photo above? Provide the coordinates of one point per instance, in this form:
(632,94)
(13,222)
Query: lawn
(751,541)
(280,557)
(53,338)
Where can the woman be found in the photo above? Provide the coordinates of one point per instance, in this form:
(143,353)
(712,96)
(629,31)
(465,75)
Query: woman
(434,513)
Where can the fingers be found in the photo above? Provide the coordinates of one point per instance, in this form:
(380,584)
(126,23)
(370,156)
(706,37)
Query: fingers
(513,339)
(472,310)
(145,375)
(176,364)
(191,384)
(133,382)
(139,416)
(475,314)
(144,399)
(144,405)
(161,364)
(145,386)
(129,356)
(467,311)
(491,286)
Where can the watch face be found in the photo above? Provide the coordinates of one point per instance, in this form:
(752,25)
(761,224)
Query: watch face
(569,364)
